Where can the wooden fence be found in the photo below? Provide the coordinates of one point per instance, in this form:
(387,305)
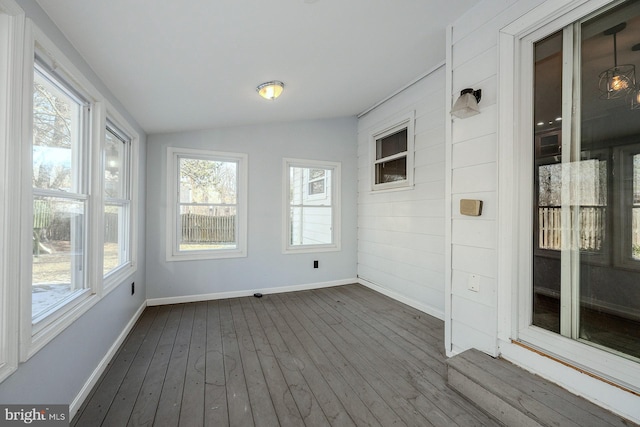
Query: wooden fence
(208,228)
(195,228)
(592,226)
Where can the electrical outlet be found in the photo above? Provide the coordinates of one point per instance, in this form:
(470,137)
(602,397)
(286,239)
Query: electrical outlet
(133,288)
(474,283)
(315,264)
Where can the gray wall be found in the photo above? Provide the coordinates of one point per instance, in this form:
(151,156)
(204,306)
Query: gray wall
(57,373)
(265,266)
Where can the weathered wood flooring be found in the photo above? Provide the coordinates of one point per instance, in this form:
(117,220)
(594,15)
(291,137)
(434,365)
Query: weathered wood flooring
(340,356)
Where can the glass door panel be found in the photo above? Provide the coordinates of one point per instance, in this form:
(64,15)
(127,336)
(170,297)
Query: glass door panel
(548,181)
(586,255)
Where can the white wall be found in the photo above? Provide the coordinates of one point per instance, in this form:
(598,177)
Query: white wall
(265,267)
(483,319)
(58,372)
(401,233)
(473,147)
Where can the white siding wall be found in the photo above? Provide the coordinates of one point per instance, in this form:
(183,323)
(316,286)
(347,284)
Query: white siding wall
(401,233)
(472,321)
(473,145)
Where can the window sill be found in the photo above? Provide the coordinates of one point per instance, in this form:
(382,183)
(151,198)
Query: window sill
(198,256)
(392,189)
(311,249)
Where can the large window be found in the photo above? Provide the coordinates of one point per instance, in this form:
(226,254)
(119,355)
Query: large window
(392,155)
(208,197)
(60,191)
(76,173)
(586,174)
(312,205)
(117,199)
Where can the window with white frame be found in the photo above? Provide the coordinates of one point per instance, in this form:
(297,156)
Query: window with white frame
(60,180)
(392,149)
(208,193)
(312,205)
(117,199)
(65,155)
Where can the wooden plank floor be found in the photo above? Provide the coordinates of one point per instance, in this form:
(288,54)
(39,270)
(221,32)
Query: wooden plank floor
(343,356)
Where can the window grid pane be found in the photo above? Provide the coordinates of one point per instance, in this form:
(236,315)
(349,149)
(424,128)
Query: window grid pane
(57,135)
(209,227)
(59,223)
(207,206)
(391,144)
(310,206)
(58,251)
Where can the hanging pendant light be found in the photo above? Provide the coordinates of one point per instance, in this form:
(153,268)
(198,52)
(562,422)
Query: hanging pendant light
(618,80)
(635,94)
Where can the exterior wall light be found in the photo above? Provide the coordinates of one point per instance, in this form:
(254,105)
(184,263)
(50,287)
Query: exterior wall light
(270,90)
(467,104)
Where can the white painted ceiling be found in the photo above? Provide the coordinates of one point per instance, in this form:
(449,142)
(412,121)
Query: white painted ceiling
(195,64)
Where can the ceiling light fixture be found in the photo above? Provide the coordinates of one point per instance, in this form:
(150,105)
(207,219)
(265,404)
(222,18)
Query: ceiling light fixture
(467,104)
(635,99)
(270,90)
(618,80)
(635,94)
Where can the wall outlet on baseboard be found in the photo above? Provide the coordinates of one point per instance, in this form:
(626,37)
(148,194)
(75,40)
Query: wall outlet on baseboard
(474,283)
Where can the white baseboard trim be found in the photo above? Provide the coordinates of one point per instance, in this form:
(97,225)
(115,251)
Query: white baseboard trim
(439,314)
(247,293)
(102,366)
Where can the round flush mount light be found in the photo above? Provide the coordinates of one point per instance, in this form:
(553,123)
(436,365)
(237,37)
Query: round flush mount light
(270,90)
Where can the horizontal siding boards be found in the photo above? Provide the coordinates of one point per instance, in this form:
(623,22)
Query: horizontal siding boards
(475,178)
(401,233)
(472,72)
(474,63)
(459,287)
(467,336)
(432,244)
(481,234)
(470,312)
(412,257)
(474,151)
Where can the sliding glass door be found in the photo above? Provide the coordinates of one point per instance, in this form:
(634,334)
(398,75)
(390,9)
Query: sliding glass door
(586,181)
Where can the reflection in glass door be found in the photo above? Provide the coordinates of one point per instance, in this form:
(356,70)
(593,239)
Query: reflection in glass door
(586,254)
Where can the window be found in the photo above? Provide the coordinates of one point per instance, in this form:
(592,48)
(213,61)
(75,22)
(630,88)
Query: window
(208,193)
(392,148)
(312,208)
(60,165)
(585,146)
(117,199)
(76,170)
